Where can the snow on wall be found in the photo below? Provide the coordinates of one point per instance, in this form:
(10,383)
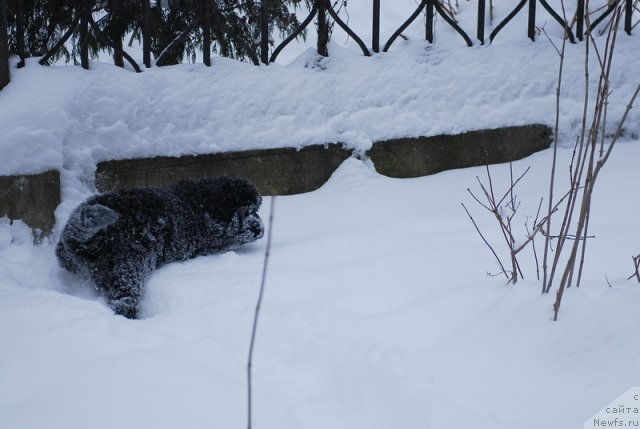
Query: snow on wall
(67,118)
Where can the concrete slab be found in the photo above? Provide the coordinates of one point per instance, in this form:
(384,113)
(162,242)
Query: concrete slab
(274,171)
(32,198)
(421,156)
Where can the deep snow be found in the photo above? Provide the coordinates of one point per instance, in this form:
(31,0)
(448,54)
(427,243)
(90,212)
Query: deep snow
(378,311)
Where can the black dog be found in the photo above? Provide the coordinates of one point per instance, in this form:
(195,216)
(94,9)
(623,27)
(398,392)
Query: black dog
(118,238)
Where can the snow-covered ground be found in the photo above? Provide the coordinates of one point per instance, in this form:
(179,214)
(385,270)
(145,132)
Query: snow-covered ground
(378,312)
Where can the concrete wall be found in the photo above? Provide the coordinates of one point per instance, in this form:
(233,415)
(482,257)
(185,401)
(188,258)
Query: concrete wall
(277,171)
(414,157)
(32,198)
(291,171)
(274,171)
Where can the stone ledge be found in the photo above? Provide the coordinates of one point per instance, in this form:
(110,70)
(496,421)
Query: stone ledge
(32,198)
(421,156)
(274,171)
(290,171)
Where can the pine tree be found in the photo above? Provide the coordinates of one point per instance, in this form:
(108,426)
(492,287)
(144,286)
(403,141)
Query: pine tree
(176,27)
(41,21)
(234,26)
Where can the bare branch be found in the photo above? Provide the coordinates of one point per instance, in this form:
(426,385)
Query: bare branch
(504,271)
(257,314)
(636,264)
(513,185)
(478,201)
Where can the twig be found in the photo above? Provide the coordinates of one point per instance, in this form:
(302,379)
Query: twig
(504,271)
(544,31)
(636,264)
(607,279)
(477,200)
(504,211)
(257,313)
(513,184)
(533,242)
(547,243)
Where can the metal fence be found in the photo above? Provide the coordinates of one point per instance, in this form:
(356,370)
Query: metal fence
(322,11)
(4,47)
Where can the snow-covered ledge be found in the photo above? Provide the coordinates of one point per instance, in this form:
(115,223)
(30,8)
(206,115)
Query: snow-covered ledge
(34,198)
(292,171)
(421,156)
(274,171)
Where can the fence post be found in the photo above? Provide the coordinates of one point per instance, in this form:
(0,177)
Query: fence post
(206,33)
(429,25)
(20,32)
(4,46)
(580,20)
(628,9)
(264,32)
(375,42)
(481,17)
(84,34)
(146,34)
(323,29)
(532,20)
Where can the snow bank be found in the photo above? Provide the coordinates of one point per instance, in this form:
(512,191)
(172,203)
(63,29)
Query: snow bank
(72,118)
(378,312)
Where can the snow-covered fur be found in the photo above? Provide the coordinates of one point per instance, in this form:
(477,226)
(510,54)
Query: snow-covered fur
(118,238)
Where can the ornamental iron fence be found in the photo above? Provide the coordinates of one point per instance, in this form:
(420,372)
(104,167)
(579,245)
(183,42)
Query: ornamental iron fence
(83,25)
(4,46)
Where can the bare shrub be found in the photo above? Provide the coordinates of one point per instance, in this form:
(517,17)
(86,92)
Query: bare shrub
(593,147)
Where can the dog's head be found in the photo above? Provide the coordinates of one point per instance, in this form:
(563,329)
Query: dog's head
(229,204)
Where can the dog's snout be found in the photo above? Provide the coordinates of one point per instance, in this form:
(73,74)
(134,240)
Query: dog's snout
(255,226)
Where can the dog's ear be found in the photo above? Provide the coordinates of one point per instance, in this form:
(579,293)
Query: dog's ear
(88,220)
(77,240)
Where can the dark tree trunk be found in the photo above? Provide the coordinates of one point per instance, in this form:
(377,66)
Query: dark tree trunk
(118,58)
(323,29)
(4,48)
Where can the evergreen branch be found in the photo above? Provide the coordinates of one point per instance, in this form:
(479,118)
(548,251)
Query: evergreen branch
(45,60)
(109,41)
